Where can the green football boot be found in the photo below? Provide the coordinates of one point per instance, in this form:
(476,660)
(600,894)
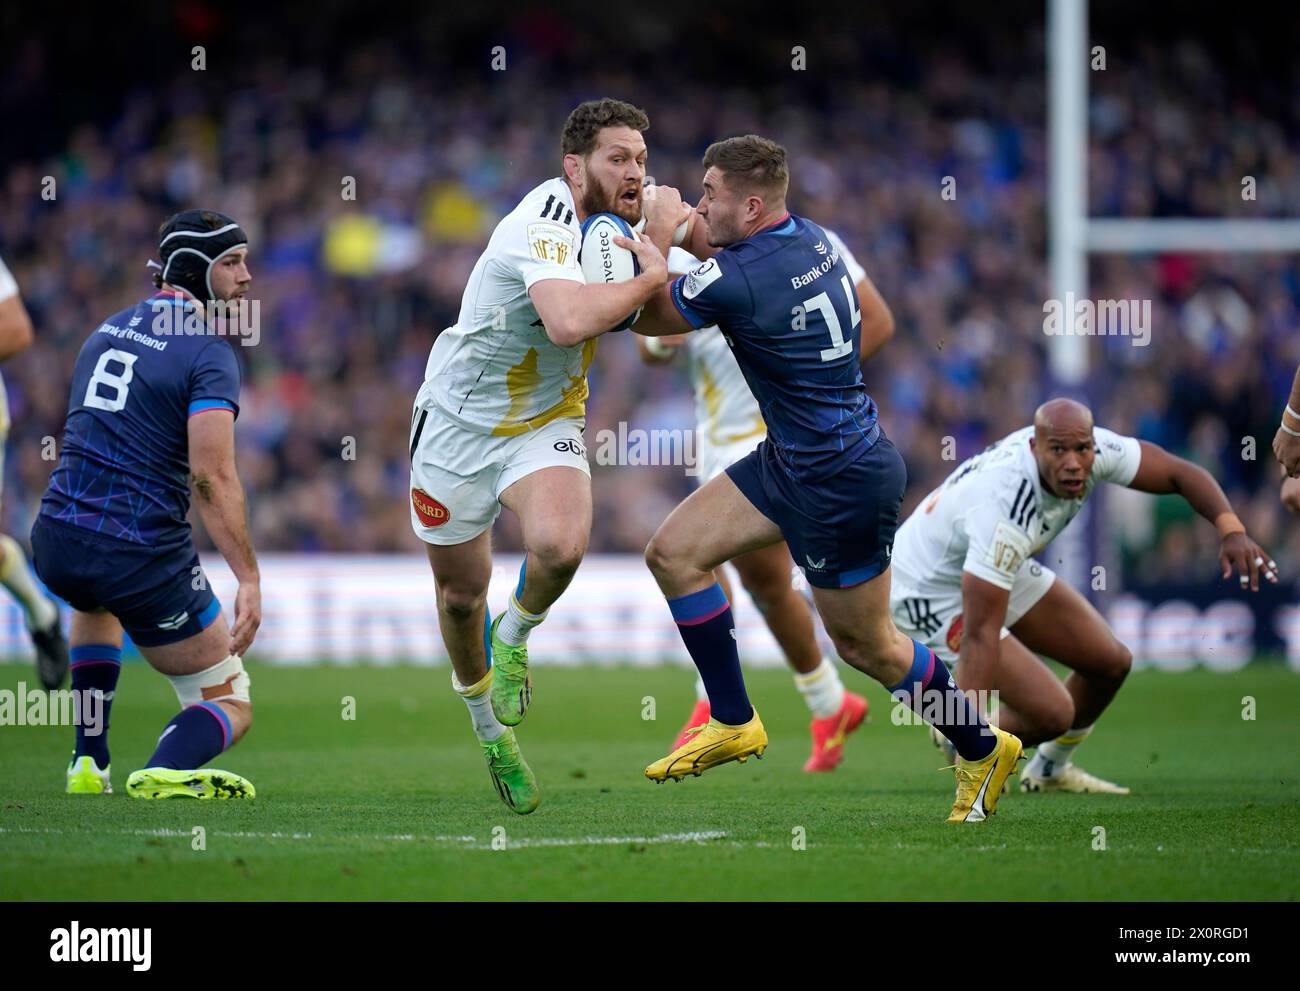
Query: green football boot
(511,774)
(512,688)
(205,782)
(86,778)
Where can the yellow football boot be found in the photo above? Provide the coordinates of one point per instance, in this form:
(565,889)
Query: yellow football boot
(980,782)
(709,745)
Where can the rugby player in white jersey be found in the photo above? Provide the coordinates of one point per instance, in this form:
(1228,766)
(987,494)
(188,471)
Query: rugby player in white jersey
(499,419)
(41,613)
(728,427)
(966,583)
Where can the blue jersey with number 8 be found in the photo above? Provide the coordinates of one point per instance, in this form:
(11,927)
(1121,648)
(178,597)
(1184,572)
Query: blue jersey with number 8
(787,306)
(124,468)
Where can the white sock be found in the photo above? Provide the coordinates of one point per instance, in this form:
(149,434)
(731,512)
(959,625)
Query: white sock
(517,623)
(16,576)
(701,693)
(478,699)
(822,689)
(1054,756)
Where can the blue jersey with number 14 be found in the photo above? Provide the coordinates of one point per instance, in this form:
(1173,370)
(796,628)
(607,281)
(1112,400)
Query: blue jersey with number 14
(787,307)
(124,470)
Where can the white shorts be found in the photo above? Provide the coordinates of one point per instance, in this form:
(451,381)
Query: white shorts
(717,458)
(458,475)
(936,621)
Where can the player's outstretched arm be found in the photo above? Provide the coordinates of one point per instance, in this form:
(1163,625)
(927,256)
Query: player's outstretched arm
(15,327)
(877,319)
(984,611)
(1162,473)
(220,499)
(573,312)
(1286,442)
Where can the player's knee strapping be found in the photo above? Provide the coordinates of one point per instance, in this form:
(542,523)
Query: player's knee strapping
(202,729)
(226,681)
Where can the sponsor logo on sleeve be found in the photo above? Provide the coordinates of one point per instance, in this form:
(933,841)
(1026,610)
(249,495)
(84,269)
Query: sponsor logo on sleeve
(1008,549)
(553,244)
(430,511)
(700,279)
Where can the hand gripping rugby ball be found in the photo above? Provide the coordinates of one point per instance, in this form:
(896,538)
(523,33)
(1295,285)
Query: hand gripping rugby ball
(603,261)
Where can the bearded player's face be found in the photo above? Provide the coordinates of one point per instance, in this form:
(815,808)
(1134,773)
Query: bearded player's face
(230,276)
(614,174)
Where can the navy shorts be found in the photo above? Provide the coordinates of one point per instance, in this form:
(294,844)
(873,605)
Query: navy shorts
(840,529)
(157,593)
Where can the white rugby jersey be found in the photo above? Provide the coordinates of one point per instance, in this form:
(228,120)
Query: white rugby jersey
(992,513)
(495,370)
(8,289)
(725,410)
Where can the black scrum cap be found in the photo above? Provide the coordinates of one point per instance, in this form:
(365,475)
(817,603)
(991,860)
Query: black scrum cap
(190,244)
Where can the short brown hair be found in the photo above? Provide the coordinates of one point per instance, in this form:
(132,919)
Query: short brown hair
(751,163)
(580,130)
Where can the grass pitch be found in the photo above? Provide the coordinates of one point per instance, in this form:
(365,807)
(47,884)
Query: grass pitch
(397,803)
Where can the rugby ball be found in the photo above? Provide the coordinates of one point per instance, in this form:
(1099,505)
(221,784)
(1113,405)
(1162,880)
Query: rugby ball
(602,260)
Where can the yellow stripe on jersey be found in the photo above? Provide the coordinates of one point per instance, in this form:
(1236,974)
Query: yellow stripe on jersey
(759,428)
(712,396)
(523,379)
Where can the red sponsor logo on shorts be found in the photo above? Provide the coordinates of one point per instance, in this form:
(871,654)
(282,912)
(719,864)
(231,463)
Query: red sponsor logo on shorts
(429,509)
(954,635)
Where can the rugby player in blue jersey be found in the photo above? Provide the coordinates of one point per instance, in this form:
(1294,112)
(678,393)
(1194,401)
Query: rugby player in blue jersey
(826,479)
(151,416)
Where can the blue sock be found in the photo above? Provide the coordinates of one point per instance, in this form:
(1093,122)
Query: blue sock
(95,667)
(194,736)
(932,694)
(704,620)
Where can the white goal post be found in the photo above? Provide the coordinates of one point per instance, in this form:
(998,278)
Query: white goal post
(1073,235)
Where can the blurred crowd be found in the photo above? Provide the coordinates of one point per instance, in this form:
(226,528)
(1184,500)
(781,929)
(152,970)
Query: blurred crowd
(438,145)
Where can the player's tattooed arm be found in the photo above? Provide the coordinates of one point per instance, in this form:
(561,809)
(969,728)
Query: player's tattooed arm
(15,327)
(201,485)
(1162,473)
(983,611)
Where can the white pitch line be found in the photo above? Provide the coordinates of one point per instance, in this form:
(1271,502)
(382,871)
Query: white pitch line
(468,842)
